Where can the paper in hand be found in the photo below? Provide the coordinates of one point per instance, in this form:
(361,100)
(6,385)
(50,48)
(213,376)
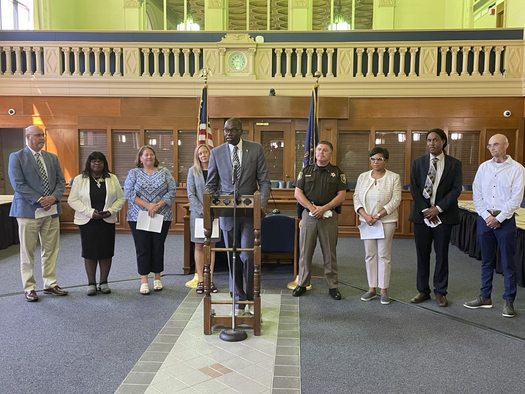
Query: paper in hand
(148,223)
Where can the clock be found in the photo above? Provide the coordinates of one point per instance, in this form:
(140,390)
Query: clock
(237,61)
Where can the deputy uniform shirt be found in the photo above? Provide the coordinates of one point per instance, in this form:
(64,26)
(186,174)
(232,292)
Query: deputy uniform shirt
(321,184)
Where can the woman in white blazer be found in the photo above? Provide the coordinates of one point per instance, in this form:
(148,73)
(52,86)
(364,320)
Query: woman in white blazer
(97,197)
(196,186)
(377,197)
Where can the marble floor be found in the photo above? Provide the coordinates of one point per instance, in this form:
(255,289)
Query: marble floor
(181,359)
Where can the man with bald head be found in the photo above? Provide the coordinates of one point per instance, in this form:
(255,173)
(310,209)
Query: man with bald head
(239,164)
(497,194)
(38,183)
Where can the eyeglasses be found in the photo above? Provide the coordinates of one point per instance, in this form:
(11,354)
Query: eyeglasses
(40,135)
(377,159)
(494,145)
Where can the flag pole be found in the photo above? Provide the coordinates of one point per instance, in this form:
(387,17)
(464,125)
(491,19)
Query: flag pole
(313,143)
(204,74)
(192,284)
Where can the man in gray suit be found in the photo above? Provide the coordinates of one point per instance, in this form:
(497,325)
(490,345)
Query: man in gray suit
(38,183)
(246,160)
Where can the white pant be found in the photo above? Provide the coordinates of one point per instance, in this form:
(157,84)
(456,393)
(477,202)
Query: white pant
(47,229)
(378,255)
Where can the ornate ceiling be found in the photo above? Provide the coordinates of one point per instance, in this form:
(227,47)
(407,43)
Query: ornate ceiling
(258,10)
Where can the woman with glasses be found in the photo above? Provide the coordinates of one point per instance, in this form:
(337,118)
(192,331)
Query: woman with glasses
(96,197)
(377,197)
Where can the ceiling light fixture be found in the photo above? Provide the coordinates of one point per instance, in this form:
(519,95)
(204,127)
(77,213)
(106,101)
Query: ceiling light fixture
(338,21)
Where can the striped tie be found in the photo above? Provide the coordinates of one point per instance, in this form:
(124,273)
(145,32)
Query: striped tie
(43,174)
(431,177)
(236,164)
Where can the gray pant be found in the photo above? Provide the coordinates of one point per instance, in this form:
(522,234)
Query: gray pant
(310,229)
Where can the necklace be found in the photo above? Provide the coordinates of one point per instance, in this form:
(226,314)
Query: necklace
(98,180)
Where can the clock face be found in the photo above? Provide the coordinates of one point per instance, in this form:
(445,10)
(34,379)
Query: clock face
(237,61)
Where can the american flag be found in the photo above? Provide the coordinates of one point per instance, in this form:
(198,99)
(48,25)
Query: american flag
(204,135)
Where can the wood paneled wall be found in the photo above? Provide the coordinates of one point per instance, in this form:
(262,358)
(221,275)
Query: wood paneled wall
(64,116)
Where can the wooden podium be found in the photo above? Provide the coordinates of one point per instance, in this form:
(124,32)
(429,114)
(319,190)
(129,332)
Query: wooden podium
(226,202)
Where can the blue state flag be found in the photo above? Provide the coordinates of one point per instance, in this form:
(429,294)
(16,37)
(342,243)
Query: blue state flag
(312,130)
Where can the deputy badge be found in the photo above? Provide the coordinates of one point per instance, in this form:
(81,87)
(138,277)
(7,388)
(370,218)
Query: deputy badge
(332,174)
(300,175)
(343,178)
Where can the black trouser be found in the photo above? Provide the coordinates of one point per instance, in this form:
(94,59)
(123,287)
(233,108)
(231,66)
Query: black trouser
(424,237)
(149,247)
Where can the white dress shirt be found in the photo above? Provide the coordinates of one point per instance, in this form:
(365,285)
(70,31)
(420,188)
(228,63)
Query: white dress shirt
(440,166)
(498,186)
(239,151)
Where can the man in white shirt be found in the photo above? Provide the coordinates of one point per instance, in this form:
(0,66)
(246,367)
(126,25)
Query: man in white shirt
(497,194)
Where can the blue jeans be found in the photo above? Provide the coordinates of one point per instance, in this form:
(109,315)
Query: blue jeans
(502,239)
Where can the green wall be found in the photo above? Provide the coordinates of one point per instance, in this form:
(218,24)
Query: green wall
(92,15)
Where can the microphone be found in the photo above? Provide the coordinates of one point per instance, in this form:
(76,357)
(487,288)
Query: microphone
(235,171)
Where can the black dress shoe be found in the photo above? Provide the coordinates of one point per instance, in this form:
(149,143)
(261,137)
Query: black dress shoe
(441,300)
(334,293)
(31,296)
(55,291)
(299,291)
(420,297)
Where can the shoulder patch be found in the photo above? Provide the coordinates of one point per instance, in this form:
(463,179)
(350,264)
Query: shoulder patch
(343,178)
(300,175)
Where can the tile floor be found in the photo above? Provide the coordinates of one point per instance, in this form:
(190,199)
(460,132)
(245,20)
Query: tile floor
(181,359)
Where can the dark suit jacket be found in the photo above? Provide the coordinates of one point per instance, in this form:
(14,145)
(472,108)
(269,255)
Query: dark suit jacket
(447,193)
(254,174)
(25,179)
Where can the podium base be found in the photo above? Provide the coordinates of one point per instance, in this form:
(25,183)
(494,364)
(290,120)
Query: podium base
(233,335)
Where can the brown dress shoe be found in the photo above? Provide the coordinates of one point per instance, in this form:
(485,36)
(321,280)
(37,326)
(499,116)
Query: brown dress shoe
(420,297)
(55,291)
(441,300)
(31,296)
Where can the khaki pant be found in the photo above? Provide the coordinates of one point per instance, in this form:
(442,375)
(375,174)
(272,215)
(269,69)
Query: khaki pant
(378,256)
(311,229)
(30,231)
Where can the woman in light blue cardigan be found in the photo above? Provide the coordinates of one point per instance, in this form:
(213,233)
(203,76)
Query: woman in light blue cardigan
(377,196)
(196,186)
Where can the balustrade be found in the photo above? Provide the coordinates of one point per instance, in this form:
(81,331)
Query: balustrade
(389,62)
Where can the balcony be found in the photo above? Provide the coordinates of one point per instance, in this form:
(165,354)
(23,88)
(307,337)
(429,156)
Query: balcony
(477,63)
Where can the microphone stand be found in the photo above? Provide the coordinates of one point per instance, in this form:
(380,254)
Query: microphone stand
(234,334)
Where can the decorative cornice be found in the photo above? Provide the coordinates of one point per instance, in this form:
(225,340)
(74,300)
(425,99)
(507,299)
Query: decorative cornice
(237,38)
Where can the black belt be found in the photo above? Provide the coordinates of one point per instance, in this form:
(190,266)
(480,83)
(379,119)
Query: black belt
(494,212)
